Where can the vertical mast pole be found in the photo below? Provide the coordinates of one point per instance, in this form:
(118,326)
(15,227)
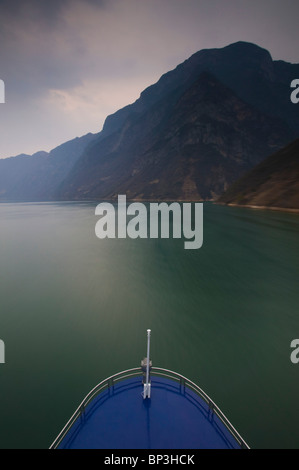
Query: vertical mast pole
(147,385)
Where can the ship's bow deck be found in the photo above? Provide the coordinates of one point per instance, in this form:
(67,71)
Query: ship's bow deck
(175,417)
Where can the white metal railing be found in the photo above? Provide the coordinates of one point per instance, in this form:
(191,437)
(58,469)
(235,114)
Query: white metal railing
(212,405)
(107,383)
(110,381)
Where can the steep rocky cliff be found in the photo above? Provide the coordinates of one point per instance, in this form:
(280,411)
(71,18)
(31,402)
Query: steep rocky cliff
(190,147)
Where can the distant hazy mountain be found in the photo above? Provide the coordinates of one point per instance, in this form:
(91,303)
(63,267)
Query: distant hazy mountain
(36,177)
(189,136)
(272,183)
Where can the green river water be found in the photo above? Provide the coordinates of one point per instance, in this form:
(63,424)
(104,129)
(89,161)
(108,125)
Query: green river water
(74,310)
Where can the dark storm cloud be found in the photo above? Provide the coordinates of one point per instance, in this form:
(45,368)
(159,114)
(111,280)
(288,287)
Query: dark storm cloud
(34,36)
(68,63)
(44,11)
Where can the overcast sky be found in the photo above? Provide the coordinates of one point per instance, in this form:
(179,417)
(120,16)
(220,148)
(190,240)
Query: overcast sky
(67,64)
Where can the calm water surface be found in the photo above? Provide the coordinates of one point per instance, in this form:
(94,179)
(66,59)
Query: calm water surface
(74,309)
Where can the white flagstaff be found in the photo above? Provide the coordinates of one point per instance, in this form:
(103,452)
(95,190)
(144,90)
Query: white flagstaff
(147,385)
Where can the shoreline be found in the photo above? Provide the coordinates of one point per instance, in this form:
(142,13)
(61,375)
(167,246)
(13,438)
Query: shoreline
(246,206)
(252,206)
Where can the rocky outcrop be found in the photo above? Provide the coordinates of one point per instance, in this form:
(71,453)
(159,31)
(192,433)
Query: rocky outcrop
(274,183)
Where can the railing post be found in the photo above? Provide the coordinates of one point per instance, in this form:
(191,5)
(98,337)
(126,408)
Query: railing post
(182,385)
(82,412)
(110,384)
(211,409)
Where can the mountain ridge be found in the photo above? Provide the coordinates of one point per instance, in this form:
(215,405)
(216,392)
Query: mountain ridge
(36,177)
(188,136)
